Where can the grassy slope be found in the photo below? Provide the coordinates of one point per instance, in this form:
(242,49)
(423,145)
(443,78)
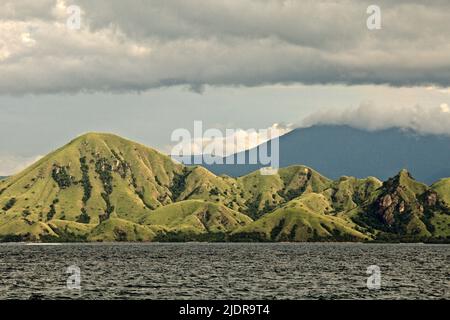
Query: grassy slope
(303,219)
(115,229)
(264,193)
(442,187)
(441,221)
(17,228)
(349,192)
(196,216)
(68,231)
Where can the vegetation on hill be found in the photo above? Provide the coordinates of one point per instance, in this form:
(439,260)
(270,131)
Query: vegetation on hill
(405,209)
(101,187)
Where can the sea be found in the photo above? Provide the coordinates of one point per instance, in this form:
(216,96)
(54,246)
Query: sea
(234,271)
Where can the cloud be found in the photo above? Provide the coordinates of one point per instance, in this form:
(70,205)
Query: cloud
(445,108)
(135,46)
(229,143)
(371,117)
(12,164)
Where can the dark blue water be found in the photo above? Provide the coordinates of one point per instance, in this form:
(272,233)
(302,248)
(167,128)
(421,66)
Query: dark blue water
(225,271)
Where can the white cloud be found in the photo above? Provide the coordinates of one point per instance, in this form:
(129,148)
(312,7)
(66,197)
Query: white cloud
(440,90)
(135,45)
(228,144)
(445,108)
(27,39)
(371,117)
(12,164)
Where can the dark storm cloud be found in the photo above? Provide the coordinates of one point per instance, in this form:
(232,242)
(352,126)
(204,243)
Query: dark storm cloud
(139,45)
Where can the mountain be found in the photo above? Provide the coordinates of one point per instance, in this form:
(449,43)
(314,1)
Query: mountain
(337,151)
(403,207)
(101,187)
(3,178)
(350,209)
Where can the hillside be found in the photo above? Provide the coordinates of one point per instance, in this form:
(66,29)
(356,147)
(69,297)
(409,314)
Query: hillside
(307,218)
(337,151)
(403,208)
(442,188)
(101,187)
(195,220)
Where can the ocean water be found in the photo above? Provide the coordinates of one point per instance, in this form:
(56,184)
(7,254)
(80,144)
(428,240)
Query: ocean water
(224,271)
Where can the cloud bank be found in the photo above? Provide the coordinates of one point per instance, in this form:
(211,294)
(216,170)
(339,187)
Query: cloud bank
(228,144)
(371,117)
(138,45)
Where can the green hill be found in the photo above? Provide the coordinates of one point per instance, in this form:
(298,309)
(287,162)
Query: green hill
(403,208)
(348,192)
(306,218)
(101,187)
(264,193)
(195,219)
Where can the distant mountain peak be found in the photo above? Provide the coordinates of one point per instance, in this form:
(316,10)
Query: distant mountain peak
(341,150)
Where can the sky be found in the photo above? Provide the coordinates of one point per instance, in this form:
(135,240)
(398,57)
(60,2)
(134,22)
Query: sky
(142,69)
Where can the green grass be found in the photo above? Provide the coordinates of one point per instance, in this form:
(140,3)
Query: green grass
(349,192)
(21,229)
(70,231)
(303,219)
(441,223)
(442,187)
(120,230)
(196,216)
